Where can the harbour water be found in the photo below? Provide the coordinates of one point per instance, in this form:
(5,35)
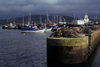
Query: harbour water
(29,50)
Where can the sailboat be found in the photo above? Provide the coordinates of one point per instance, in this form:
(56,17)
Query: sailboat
(32,28)
(48,28)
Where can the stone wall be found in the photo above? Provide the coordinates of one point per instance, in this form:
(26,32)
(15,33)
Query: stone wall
(72,50)
(94,38)
(68,50)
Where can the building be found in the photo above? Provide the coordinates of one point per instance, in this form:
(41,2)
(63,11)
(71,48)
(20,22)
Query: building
(83,21)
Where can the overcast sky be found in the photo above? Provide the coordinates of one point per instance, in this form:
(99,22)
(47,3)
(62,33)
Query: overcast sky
(12,8)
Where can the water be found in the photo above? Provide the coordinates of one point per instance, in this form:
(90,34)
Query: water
(22,50)
(29,50)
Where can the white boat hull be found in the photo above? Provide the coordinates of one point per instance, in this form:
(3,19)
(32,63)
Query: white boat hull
(49,29)
(29,31)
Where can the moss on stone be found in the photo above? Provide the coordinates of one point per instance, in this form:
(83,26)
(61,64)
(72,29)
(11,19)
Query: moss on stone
(65,32)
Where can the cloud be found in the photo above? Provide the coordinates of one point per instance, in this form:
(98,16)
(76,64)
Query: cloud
(57,7)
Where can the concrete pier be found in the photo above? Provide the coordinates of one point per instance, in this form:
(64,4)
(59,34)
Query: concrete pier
(72,50)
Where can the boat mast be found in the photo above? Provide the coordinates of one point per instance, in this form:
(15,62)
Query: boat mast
(54,19)
(40,18)
(29,18)
(64,19)
(23,20)
(57,19)
(47,18)
(96,17)
(14,21)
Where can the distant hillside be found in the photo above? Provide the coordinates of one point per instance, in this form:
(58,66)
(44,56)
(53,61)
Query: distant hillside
(35,19)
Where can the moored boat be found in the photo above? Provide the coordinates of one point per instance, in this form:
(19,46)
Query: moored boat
(32,30)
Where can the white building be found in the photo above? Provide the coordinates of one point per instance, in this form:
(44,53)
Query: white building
(83,21)
(62,23)
(79,22)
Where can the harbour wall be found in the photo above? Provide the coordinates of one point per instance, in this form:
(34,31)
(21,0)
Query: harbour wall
(72,50)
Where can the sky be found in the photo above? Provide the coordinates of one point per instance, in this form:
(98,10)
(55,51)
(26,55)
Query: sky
(14,8)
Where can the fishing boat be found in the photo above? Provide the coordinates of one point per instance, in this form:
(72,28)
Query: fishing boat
(55,28)
(48,25)
(9,26)
(12,25)
(48,29)
(30,28)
